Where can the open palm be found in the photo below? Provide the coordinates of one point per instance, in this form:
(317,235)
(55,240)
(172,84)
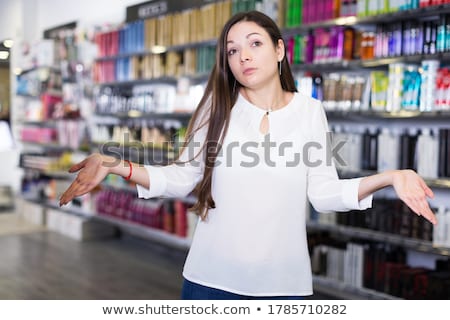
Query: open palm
(412,190)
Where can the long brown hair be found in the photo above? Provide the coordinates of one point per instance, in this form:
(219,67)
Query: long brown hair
(218,99)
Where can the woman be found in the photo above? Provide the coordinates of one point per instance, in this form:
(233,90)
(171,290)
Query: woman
(256,153)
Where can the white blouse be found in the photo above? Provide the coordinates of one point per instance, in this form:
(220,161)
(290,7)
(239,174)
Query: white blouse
(254,242)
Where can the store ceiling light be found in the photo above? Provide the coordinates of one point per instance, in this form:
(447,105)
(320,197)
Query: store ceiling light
(8,43)
(134,113)
(158,49)
(4,55)
(346,21)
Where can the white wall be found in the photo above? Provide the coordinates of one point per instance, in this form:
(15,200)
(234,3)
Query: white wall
(10,19)
(52,13)
(22,18)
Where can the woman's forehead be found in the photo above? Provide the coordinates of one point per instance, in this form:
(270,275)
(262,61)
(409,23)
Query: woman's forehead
(245,28)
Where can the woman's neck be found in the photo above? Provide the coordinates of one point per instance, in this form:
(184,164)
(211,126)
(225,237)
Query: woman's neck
(269,100)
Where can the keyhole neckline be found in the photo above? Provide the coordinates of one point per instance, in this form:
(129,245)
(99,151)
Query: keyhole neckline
(267,112)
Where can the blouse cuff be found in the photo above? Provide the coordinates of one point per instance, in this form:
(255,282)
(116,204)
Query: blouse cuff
(350,192)
(158,183)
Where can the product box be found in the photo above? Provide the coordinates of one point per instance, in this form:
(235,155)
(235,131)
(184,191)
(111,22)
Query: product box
(77,227)
(32,212)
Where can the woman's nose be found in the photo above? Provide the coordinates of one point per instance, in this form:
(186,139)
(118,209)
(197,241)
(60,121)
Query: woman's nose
(245,55)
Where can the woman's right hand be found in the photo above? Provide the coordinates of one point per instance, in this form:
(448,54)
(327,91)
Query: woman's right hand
(92,171)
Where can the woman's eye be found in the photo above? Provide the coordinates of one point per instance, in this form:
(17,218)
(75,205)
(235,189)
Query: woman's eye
(231,52)
(256,43)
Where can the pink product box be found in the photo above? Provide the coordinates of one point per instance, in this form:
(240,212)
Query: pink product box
(39,135)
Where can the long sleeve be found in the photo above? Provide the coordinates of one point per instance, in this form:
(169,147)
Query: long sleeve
(326,191)
(180,178)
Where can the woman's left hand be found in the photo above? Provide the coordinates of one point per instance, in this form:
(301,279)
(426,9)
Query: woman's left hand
(413,191)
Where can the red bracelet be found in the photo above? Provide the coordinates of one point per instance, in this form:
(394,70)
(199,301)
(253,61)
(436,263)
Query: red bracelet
(131,169)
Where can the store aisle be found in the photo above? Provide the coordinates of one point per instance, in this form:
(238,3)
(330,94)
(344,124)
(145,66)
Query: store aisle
(46,265)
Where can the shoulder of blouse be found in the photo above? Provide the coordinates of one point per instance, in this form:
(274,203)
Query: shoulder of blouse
(309,107)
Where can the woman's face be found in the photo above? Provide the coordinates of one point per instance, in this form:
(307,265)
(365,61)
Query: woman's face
(252,57)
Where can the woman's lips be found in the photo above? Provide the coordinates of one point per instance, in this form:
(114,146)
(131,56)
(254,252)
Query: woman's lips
(248,71)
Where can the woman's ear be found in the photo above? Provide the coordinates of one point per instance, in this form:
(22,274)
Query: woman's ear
(280,49)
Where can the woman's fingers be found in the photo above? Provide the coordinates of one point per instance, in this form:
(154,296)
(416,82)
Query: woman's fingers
(67,195)
(419,205)
(426,211)
(413,190)
(71,193)
(91,171)
(427,189)
(78,187)
(77,166)
(423,203)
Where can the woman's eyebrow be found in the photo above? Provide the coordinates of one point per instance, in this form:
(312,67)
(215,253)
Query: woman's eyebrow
(247,36)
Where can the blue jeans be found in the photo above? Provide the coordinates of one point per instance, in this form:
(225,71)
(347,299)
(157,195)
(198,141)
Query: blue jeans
(194,291)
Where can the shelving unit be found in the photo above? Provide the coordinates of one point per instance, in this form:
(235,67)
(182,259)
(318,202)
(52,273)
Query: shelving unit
(347,65)
(400,120)
(193,45)
(343,291)
(180,116)
(52,204)
(359,233)
(433,183)
(403,115)
(381,18)
(166,80)
(156,235)
(49,146)
(151,234)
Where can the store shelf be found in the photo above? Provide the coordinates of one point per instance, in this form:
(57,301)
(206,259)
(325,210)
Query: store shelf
(438,183)
(138,154)
(348,65)
(191,200)
(410,243)
(62,175)
(433,183)
(53,204)
(39,68)
(52,92)
(136,145)
(344,291)
(152,234)
(145,232)
(181,116)
(49,122)
(28,95)
(39,123)
(130,83)
(344,65)
(193,45)
(49,146)
(420,13)
(397,115)
(121,187)
(197,78)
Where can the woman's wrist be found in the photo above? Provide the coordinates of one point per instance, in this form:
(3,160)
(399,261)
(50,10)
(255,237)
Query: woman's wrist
(390,176)
(373,183)
(396,175)
(113,165)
